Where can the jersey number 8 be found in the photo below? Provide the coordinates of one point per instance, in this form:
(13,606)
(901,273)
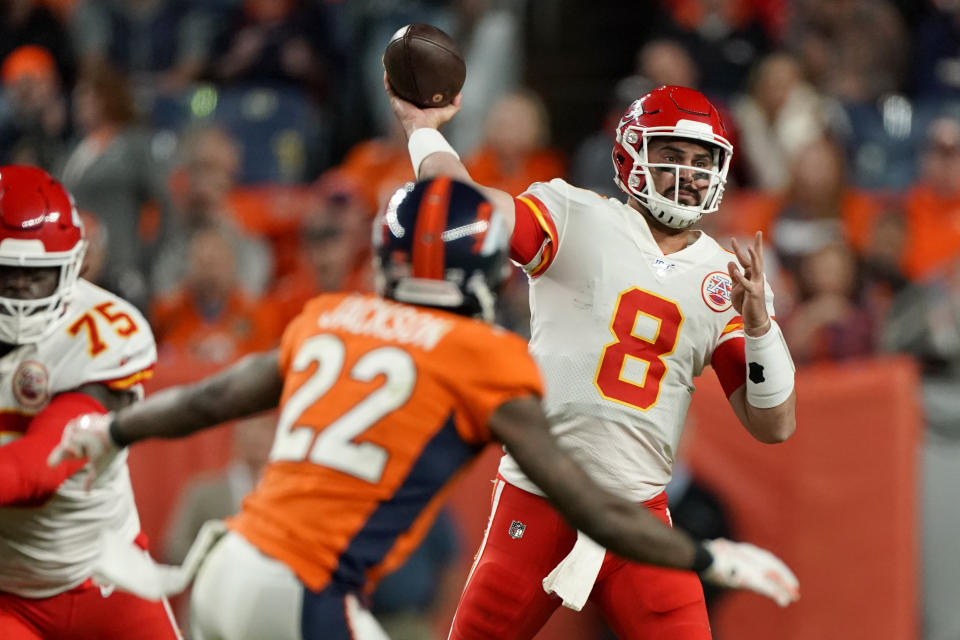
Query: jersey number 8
(609,379)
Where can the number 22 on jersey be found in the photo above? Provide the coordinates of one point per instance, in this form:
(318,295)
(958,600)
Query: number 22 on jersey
(333,446)
(651,351)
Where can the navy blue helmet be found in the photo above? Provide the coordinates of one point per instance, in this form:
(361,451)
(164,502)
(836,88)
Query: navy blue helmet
(440,243)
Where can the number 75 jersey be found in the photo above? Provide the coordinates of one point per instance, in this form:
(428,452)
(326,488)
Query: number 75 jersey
(103,339)
(49,547)
(620,331)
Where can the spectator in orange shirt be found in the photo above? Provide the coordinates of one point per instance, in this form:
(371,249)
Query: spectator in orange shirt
(334,250)
(514,154)
(933,203)
(515,150)
(209,318)
(379,166)
(818,207)
(34,120)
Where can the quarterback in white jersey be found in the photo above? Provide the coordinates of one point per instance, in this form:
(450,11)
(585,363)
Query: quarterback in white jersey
(620,331)
(628,305)
(66,347)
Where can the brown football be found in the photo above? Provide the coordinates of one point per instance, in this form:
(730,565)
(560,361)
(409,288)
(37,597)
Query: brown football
(424,65)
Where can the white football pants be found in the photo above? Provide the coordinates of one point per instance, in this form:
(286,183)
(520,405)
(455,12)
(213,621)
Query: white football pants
(241,594)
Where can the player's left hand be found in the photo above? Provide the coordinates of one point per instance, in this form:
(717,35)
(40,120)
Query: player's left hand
(749,296)
(86,436)
(740,565)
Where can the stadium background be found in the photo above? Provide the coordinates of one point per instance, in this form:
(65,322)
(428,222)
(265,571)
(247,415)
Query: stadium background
(222,148)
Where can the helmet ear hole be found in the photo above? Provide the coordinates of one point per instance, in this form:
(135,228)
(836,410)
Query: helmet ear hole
(620,158)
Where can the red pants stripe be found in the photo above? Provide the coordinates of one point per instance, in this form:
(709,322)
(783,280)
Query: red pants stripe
(504,597)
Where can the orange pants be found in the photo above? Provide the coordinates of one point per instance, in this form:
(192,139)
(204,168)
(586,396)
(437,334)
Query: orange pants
(504,597)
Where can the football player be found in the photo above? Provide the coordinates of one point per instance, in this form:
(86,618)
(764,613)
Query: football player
(383,401)
(629,304)
(67,348)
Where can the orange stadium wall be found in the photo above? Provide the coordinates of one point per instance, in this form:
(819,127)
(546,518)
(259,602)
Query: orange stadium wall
(837,502)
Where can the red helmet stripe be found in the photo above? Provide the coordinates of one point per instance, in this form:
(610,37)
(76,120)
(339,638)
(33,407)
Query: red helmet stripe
(428,253)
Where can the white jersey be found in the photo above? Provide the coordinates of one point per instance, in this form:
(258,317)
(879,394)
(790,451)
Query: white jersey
(620,331)
(49,548)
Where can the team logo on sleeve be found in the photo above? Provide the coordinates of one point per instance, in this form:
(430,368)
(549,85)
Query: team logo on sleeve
(717,291)
(31,384)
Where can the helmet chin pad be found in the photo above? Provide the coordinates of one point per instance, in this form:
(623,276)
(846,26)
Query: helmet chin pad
(26,321)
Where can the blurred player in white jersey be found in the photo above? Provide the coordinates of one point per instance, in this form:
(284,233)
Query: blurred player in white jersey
(67,348)
(628,305)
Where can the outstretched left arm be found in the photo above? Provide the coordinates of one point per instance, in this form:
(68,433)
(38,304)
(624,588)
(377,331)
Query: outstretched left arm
(251,385)
(769,426)
(766,403)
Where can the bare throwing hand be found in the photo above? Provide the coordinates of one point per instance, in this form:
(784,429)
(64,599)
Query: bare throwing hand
(749,296)
(412,117)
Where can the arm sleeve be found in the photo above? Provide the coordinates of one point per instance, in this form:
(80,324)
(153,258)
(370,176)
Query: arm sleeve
(25,477)
(534,240)
(539,213)
(729,360)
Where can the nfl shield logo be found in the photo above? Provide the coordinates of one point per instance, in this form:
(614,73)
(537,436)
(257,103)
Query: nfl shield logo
(516,529)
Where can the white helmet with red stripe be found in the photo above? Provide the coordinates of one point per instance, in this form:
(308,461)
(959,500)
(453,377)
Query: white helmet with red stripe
(39,229)
(671,112)
(440,243)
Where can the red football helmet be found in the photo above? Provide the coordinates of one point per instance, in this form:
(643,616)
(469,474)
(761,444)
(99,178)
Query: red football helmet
(676,112)
(39,228)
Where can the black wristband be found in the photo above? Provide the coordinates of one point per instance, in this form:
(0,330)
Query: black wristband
(702,559)
(114,436)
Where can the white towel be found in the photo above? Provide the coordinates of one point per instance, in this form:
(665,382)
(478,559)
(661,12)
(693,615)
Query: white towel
(130,568)
(573,578)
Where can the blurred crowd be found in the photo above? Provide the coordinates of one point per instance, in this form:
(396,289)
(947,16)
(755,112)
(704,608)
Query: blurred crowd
(230,155)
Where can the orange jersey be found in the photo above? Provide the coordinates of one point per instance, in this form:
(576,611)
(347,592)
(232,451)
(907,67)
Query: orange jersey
(383,404)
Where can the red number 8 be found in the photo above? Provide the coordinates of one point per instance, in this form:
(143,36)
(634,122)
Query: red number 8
(609,379)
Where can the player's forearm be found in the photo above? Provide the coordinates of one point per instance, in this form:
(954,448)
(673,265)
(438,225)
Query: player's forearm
(445,162)
(773,425)
(252,385)
(619,525)
(770,426)
(625,528)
